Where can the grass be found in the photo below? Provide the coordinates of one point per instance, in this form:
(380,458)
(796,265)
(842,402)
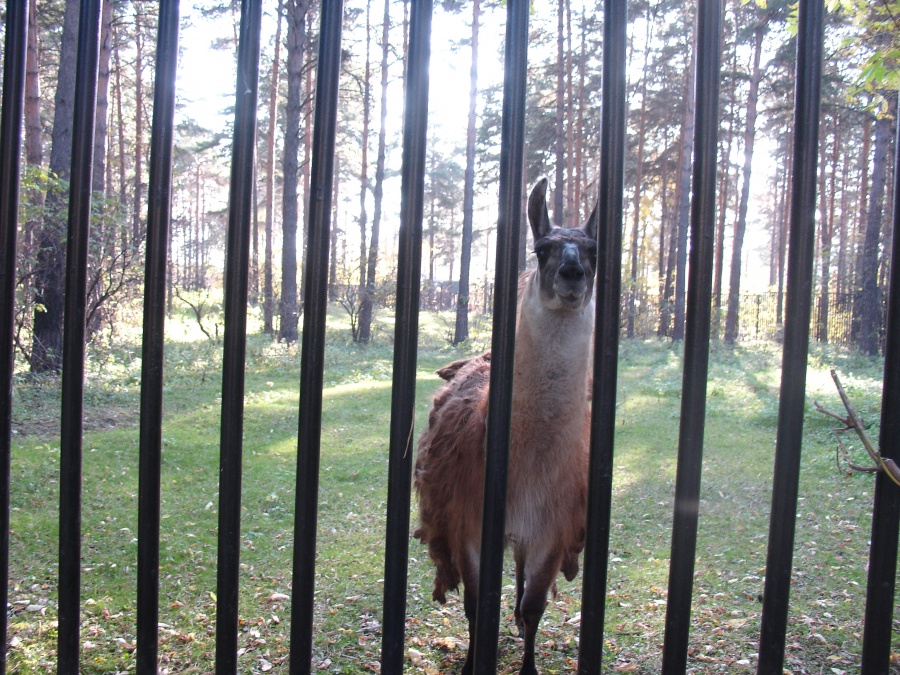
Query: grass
(828,592)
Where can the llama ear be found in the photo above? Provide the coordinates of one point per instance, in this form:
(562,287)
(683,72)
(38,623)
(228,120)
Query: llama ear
(592,224)
(537,210)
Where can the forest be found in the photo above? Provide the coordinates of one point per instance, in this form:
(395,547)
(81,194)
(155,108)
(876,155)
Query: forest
(562,142)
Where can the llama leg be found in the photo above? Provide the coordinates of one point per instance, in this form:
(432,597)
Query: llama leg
(520,588)
(470,603)
(540,578)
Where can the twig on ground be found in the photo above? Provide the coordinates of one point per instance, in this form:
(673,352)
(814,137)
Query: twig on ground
(853,422)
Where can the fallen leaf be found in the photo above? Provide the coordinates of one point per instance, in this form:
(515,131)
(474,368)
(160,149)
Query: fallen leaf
(448,644)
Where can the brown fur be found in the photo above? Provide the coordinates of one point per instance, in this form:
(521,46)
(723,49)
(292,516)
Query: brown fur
(548,461)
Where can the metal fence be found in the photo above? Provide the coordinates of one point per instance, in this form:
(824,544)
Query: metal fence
(882,562)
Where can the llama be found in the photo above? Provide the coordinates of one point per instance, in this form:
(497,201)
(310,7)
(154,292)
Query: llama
(548,456)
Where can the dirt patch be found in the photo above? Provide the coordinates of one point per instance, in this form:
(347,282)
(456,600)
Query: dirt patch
(43,420)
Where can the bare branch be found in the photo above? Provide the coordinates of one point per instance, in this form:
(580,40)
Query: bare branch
(199,311)
(853,422)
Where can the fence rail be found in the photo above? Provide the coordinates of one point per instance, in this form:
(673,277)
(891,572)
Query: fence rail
(757,322)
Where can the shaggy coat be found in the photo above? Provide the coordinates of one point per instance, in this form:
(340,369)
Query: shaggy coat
(550,428)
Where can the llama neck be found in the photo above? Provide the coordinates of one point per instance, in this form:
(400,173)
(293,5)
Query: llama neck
(552,363)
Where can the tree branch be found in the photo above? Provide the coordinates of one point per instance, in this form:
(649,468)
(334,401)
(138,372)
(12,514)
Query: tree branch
(853,422)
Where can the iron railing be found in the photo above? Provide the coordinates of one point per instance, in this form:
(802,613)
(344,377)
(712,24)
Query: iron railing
(882,564)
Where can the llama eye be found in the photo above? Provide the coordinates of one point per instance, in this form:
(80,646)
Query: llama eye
(542,252)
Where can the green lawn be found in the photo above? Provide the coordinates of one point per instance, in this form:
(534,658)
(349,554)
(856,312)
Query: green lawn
(831,543)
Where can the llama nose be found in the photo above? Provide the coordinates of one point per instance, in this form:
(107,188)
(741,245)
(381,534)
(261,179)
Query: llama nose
(571,272)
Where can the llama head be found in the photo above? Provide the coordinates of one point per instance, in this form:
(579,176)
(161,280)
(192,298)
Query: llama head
(567,258)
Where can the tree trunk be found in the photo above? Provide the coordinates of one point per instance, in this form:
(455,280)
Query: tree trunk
(102,249)
(724,187)
(778,186)
(364,168)
(663,272)
(120,137)
(306,167)
(332,249)
(668,297)
(432,224)
(732,323)
(192,255)
(268,290)
(784,217)
(34,147)
(170,281)
(580,209)
(684,197)
(860,234)
(368,300)
(559,195)
(461,332)
(636,204)
(101,124)
(137,232)
(572,213)
(253,280)
(46,354)
(296,25)
(827,235)
(844,231)
(884,266)
(869,297)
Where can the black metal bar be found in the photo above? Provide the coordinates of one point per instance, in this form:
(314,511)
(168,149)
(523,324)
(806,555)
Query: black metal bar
(14,51)
(312,354)
(606,337)
(403,394)
(876,651)
(792,402)
(237,265)
(71,425)
(512,152)
(696,344)
(159,209)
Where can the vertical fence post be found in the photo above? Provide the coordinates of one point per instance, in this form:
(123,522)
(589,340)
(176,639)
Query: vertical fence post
(792,401)
(406,332)
(159,210)
(876,654)
(71,425)
(512,150)
(696,344)
(237,264)
(312,356)
(606,340)
(14,51)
